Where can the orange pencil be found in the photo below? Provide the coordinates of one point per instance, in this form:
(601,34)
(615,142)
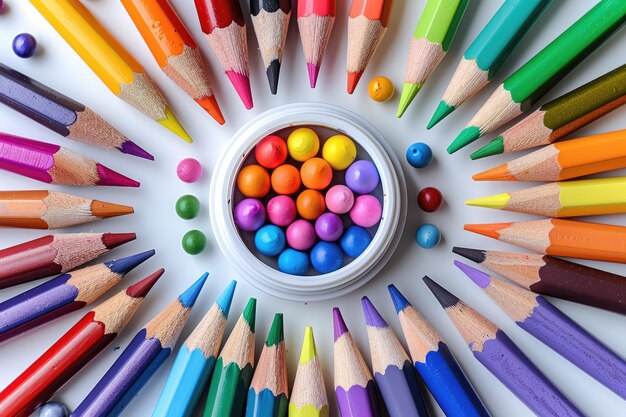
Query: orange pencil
(174,50)
(557,237)
(367,25)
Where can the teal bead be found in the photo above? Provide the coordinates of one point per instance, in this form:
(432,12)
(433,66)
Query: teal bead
(194,242)
(187,207)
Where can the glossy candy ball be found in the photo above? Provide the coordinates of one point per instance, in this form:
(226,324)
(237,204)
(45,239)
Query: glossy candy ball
(316,174)
(339,151)
(339,199)
(301,235)
(53,409)
(286,179)
(326,257)
(428,236)
(194,242)
(429,199)
(189,170)
(253,181)
(187,207)
(303,144)
(380,89)
(293,262)
(24,45)
(362,177)
(419,155)
(270,240)
(310,204)
(366,211)
(249,214)
(281,210)
(329,227)
(355,240)
(271,151)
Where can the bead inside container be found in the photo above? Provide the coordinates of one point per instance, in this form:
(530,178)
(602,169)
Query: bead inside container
(238,246)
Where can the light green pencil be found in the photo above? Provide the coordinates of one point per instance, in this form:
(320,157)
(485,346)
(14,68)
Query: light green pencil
(431,40)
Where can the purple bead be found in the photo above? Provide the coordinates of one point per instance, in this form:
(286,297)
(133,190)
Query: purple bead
(329,227)
(249,214)
(362,177)
(24,45)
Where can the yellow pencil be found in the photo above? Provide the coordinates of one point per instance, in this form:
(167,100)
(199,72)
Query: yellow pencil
(108,59)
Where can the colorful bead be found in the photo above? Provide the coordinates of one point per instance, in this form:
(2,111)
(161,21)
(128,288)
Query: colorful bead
(339,151)
(419,155)
(303,144)
(355,240)
(249,214)
(301,235)
(189,170)
(270,240)
(310,204)
(429,199)
(187,207)
(366,211)
(53,409)
(286,179)
(339,199)
(24,45)
(293,262)
(362,177)
(380,89)
(428,236)
(326,257)
(329,227)
(271,151)
(194,242)
(281,210)
(253,181)
(316,174)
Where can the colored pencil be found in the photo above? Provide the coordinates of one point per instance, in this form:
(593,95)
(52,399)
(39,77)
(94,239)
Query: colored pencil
(563,199)
(491,48)
(537,76)
(435,363)
(174,50)
(499,354)
(393,371)
(109,60)
(431,40)
(270,19)
(53,210)
(54,254)
(564,160)
(233,370)
(195,361)
(555,277)
(63,295)
(558,237)
(61,114)
(75,349)
(315,23)
(562,116)
(537,316)
(53,164)
(367,24)
(143,356)
(225,29)
(308,396)
(354,385)
(269,390)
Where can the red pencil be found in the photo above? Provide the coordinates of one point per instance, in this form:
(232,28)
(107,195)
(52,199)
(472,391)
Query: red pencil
(73,351)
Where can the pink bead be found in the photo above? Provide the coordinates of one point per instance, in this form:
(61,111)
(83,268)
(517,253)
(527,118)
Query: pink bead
(281,210)
(301,235)
(189,170)
(339,199)
(366,211)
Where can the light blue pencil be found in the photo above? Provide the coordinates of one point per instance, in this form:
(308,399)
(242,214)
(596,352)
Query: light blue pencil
(195,361)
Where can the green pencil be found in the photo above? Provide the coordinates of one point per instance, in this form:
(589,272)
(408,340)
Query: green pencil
(431,39)
(562,116)
(491,48)
(526,85)
(233,369)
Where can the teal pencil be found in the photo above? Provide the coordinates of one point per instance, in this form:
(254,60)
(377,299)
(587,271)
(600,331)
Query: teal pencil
(195,361)
(491,48)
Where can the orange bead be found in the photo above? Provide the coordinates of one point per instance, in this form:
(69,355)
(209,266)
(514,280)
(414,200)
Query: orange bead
(310,204)
(316,174)
(253,181)
(286,179)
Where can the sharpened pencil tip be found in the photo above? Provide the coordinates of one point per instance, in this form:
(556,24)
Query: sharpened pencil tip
(249,313)
(353,80)
(372,316)
(314,71)
(309,350)
(445,298)
(105,210)
(171,123)
(495,147)
(467,136)
(113,240)
(106,176)
(190,295)
(479,277)
(443,110)
(273,73)
(497,201)
(143,287)
(123,266)
(409,91)
(475,255)
(339,325)
(490,230)
(241,83)
(225,299)
(399,301)
(277,332)
(209,104)
(131,148)
(499,173)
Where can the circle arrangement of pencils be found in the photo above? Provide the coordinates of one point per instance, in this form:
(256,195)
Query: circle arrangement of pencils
(96,201)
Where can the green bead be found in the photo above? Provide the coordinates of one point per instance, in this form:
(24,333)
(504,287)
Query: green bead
(187,207)
(194,242)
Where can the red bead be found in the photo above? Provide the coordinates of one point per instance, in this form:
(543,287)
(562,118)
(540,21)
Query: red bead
(429,199)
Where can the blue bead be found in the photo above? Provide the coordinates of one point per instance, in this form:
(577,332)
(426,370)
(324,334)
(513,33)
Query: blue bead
(270,240)
(419,155)
(355,240)
(293,262)
(53,409)
(326,257)
(24,45)
(428,236)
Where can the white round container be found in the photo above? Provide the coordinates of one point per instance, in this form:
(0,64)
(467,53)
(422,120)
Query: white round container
(352,275)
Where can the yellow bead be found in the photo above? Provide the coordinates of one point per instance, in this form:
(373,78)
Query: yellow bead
(380,89)
(303,144)
(339,151)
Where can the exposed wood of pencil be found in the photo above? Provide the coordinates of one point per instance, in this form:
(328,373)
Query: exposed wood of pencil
(308,397)
(315,33)
(271,370)
(350,367)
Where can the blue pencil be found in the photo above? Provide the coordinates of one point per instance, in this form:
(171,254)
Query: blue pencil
(195,361)
(435,363)
(141,358)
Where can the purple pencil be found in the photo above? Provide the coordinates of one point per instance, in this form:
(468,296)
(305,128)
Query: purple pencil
(497,352)
(354,386)
(393,371)
(547,323)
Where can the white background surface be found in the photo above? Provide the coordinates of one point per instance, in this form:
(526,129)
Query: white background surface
(158,226)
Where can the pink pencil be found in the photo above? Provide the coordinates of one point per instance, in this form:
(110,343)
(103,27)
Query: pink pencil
(315,21)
